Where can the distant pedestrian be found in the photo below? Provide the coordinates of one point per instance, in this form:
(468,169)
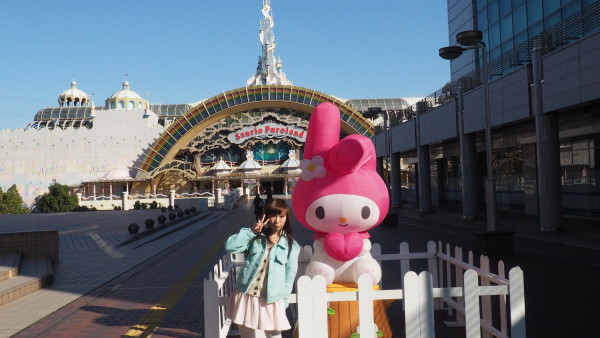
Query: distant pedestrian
(259,206)
(269,198)
(262,288)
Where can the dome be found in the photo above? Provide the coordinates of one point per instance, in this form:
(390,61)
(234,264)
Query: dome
(73,97)
(122,173)
(125,93)
(126,99)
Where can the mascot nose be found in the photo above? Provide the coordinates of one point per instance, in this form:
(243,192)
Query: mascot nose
(343,219)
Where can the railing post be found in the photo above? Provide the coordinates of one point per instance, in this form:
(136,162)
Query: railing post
(411,305)
(211,308)
(426,320)
(471,296)
(517,302)
(365,306)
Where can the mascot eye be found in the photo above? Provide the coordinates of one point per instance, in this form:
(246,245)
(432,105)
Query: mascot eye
(365,212)
(320,213)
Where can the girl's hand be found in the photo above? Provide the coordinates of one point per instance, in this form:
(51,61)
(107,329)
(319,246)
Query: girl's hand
(258,226)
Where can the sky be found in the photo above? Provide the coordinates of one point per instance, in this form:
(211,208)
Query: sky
(183,51)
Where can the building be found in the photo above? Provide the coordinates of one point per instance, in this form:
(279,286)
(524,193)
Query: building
(248,138)
(543,66)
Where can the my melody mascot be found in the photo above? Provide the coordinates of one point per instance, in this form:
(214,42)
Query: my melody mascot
(340,196)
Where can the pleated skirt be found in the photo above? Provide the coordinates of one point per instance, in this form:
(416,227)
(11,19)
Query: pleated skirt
(256,313)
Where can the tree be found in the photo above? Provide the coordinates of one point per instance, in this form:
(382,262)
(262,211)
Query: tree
(58,199)
(11,202)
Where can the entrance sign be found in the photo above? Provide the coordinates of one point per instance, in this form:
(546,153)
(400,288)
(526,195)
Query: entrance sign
(267,130)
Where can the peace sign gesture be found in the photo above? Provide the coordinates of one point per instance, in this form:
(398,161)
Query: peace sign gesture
(258,226)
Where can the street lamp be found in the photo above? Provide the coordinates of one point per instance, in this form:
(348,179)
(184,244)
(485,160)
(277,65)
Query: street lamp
(372,113)
(468,40)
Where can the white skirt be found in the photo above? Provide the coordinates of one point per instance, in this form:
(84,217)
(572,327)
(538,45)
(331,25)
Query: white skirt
(256,313)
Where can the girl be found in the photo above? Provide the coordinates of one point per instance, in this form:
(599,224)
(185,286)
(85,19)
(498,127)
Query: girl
(267,277)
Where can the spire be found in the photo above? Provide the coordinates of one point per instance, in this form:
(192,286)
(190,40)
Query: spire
(269,69)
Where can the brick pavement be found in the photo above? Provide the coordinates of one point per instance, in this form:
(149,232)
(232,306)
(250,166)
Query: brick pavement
(82,271)
(556,307)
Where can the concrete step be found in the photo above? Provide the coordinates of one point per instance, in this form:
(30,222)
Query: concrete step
(9,265)
(34,274)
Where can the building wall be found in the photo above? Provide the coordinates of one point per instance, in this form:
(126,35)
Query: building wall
(34,159)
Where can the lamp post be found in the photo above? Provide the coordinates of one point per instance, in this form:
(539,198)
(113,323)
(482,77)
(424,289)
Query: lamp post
(468,40)
(374,112)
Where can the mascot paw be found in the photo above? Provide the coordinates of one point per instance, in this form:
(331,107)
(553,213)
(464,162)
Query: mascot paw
(318,268)
(368,266)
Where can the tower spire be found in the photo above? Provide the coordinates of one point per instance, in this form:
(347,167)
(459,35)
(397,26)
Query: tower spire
(269,69)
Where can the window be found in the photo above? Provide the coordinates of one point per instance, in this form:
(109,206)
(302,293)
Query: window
(121,105)
(506,28)
(534,11)
(131,105)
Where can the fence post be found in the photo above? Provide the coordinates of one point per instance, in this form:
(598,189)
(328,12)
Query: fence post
(502,305)
(312,307)
(517,302)
(211,308)
(365,306)
(404,263)
(426,322)
(471,296)
(486,301)
(411,305)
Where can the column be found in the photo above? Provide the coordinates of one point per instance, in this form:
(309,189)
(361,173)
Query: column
(172,198)
(424,171)
(547,149)
(125,197)
(468,152)
(396,181)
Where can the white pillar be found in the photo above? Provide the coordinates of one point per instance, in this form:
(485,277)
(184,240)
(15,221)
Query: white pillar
(218,197)
(125,197)
(172,198)
(78,198)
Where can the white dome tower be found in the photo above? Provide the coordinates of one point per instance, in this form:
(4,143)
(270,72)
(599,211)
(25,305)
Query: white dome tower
(73,97)
(126,99)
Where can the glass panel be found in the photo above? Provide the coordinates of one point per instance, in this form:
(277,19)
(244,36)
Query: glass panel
(482,22)
(505,7)
(520,19)
(520,38)
(552,19)
(481,4)
(570,9)
(506,28)
(550,6)
(494,36)
(535,29)
(534,11)
(517,3)
(493,12)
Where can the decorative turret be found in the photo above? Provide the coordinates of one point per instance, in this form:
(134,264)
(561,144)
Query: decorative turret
(126,99)
(269,69)
(73,97)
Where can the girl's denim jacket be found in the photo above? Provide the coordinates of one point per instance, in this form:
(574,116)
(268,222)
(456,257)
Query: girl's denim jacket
(283,263)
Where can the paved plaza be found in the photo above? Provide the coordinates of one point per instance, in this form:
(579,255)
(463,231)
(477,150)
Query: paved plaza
(154,285)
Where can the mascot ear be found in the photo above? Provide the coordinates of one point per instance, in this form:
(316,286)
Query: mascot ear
(352,153)
(323,130)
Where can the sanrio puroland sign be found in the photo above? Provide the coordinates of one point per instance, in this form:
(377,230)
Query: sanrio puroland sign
(267,130)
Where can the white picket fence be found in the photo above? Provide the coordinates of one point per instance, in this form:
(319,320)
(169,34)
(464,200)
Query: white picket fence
(448,283)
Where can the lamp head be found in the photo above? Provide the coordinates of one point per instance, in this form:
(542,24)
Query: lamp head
(469,38)
(451,52)
(373,112)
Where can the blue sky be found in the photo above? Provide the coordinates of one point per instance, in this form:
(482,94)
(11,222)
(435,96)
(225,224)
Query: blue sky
(182,51)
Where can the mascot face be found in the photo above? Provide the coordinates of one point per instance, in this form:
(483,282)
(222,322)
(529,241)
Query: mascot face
(342,213)
(339,190)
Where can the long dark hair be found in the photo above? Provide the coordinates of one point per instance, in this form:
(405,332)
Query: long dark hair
(278,207)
